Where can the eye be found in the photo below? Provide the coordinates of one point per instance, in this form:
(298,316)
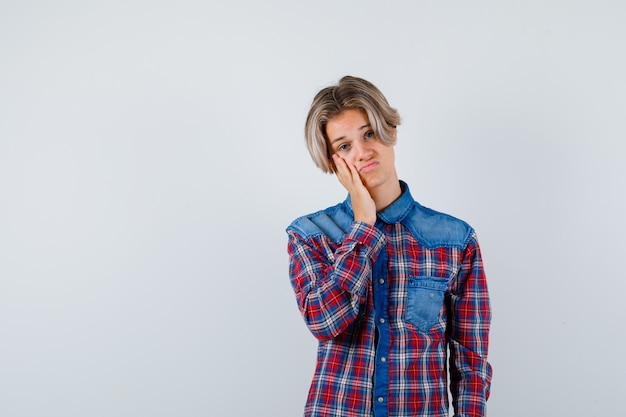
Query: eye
(369,134)
(343,147)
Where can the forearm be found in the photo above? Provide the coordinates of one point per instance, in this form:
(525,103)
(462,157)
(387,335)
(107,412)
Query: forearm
(330,292)
(470,317)
(470,381)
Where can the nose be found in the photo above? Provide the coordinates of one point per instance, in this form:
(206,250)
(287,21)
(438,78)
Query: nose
(362,150)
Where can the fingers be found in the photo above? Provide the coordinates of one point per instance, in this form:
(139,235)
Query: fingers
(362,203)
(342,167)
(346,173)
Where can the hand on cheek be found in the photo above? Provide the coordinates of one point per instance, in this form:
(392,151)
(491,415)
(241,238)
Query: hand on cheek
(362,202)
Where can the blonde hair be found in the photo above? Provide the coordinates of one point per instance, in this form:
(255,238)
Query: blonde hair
(349,93)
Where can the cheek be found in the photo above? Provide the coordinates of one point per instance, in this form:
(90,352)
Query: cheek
(350,159)
(391,156)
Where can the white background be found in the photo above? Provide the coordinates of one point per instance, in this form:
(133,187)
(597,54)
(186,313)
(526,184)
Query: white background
(152,154)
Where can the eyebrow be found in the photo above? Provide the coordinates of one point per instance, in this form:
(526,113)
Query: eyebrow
(343,137)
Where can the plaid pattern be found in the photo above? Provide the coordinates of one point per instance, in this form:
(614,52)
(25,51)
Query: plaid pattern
(386,303)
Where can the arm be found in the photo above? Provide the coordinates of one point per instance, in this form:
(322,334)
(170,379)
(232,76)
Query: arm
(330,294)
(470,373)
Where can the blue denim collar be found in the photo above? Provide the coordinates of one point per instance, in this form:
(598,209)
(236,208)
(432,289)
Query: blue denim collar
(397,210)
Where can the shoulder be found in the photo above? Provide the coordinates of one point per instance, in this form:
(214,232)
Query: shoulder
(435,229)
(333,222)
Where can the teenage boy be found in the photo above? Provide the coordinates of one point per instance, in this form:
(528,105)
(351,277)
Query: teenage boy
(386,285)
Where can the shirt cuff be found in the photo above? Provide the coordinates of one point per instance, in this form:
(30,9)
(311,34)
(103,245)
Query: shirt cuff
(368,236)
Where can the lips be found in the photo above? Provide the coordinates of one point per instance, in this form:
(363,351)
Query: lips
(368,167)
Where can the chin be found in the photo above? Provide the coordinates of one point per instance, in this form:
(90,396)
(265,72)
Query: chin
(372,184)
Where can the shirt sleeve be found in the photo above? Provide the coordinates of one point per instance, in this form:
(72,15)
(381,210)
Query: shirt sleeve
(470,373)
(330,290)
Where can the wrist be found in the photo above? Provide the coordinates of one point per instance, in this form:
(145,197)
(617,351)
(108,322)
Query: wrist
(365,219)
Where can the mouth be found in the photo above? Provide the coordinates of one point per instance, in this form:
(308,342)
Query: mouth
(368,167)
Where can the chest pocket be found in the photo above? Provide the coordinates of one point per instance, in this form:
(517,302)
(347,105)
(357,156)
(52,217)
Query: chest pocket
(425,298)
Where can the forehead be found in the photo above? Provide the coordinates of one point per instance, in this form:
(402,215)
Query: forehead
(346,122)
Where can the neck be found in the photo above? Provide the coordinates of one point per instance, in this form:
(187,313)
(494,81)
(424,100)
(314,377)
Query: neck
(386,194)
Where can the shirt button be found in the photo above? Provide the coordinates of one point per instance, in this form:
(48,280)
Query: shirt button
(381,399)
(383,359)
(382,320)
(431,295)
(381,281)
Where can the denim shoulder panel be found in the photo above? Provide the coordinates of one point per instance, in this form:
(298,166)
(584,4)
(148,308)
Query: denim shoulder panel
(333,222)
(435,229)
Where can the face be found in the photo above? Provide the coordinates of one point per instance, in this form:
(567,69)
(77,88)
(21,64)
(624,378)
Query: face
(350,136)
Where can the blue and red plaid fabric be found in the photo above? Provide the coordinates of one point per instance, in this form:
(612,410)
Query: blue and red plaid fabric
(386,303)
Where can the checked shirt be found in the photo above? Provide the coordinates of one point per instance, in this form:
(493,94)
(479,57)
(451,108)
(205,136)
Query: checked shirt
(387,303)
